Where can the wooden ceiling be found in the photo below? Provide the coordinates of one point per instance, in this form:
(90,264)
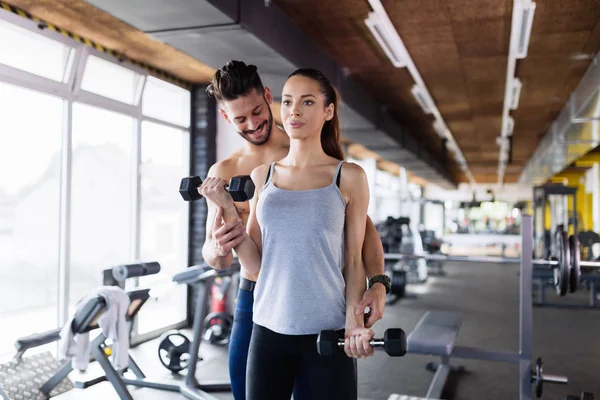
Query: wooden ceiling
(460,48)
(84,19)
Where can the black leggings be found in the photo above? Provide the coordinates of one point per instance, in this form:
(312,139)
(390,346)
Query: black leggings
(273,364)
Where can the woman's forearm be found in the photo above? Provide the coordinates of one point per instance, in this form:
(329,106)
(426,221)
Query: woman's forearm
(247,251)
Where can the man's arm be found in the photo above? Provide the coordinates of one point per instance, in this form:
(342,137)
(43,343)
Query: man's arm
(374,262)
(372,252)
(220,237)
(249,248)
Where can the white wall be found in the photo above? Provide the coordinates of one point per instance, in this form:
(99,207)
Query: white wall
(509,192)
(228,140)
(592,185)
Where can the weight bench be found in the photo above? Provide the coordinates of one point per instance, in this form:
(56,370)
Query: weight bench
(435,334)
(84,321)
(544,279)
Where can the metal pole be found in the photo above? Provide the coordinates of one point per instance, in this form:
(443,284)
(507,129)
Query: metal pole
(526,308)
(197,330)
(64,243)
(482,259)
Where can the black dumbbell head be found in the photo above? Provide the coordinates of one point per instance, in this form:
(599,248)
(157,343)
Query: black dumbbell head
(395,342)
(241,188)
(327,343)
(189,188)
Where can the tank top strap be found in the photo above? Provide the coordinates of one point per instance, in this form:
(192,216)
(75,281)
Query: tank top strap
(270,173)
(337,173)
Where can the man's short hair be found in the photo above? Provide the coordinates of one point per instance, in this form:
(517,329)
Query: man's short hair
(233,80)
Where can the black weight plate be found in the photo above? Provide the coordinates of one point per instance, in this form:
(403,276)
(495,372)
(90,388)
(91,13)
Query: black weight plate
(218,327)
(575,274)
(563,269)
(538,378)
(173,351)
(398,283)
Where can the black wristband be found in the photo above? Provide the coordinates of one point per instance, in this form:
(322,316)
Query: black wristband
(384,280)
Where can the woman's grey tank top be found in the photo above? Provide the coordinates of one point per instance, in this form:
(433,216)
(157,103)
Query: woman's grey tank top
(300,288)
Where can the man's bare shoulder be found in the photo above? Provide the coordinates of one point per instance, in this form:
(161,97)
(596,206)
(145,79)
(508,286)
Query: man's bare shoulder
(226,168)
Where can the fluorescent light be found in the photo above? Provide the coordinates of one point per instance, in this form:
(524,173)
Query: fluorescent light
(378,31)
(422,97)
(391,43)
(438,126)
(509,126)
(515,93)
(520,33)
(522,22)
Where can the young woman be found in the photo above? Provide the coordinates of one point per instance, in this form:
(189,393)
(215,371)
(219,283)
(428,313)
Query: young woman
(305,234)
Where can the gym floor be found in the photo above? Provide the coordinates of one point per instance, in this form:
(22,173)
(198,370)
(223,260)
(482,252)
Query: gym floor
(488,298)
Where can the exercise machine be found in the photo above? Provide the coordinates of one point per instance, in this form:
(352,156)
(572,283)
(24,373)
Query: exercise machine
(436,332)
(202,277)
(84,321)
(551,214)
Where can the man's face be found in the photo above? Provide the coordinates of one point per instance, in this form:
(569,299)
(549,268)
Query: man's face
(251,116)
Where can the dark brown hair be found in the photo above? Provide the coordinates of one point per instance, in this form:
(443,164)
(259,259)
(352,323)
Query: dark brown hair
(330,134)
(233,80)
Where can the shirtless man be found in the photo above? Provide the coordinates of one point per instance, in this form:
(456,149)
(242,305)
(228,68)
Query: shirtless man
(245,103)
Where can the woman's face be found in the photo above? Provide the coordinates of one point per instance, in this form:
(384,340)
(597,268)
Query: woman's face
(303,110)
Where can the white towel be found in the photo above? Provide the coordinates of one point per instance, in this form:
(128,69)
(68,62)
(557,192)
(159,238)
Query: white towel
(113,324)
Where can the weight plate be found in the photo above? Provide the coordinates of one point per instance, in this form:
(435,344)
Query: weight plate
(218,327)
(563,269)
(398,283)
(174,351)
(575,274)
(538,378)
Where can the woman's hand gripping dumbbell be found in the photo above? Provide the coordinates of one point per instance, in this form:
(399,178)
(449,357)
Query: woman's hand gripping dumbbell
(241,188)
(394,343)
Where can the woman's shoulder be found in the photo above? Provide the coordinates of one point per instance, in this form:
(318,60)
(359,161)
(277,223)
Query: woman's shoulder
(352,169)
(262,169)
(259,175)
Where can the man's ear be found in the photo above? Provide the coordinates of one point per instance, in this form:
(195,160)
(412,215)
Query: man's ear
(224,114)
(268,95)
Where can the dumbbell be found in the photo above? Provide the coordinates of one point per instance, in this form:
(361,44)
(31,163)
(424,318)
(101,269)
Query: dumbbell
(241,188)
(393,342)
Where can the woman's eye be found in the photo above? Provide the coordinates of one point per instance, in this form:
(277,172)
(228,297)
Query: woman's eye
(286,102)
(308,102)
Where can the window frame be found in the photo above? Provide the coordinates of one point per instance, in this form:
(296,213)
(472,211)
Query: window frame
(71,92)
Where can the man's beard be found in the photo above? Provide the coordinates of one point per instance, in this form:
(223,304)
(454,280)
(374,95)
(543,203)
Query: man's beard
(267,129)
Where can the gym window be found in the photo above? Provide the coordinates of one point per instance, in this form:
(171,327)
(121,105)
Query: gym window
(111,80)
(166,102)
(31,52)
(93,146)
